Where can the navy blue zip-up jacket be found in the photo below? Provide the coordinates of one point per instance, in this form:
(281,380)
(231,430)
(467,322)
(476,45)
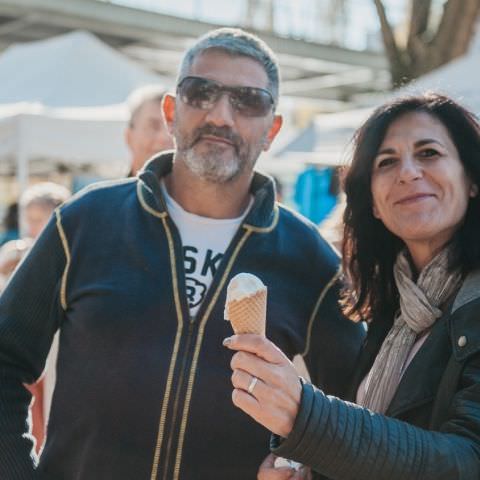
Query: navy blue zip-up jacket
(143,391)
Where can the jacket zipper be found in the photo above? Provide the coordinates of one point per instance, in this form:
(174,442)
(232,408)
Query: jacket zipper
(183,370)
(204,313)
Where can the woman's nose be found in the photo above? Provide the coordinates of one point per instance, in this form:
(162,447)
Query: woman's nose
(409,170)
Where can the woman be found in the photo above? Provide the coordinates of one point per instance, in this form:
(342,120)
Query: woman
(411,251)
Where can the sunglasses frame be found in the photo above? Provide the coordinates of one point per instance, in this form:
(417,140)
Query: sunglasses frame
(233,94)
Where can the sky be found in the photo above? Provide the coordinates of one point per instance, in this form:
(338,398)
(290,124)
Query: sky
(294,18)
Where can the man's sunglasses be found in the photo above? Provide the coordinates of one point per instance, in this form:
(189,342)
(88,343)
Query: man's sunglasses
(202,93)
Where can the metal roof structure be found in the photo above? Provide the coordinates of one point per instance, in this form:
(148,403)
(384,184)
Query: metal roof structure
(312,70)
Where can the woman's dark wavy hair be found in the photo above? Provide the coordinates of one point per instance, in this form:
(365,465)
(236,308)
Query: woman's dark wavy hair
(369,249)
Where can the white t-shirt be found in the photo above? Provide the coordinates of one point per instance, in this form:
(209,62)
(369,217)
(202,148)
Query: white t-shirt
(204,241)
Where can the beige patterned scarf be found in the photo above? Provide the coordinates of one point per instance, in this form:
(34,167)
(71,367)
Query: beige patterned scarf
(420,304)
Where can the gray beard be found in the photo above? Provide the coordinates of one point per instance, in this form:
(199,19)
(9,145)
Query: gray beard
(212,167)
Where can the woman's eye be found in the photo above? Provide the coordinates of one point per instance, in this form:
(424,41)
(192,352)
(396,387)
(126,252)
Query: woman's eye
(385,162)
(428,152)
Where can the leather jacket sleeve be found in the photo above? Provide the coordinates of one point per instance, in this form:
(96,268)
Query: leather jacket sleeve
(343,441)
(30,313)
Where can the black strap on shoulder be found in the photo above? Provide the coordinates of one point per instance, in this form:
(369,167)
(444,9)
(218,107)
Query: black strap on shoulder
(446,391)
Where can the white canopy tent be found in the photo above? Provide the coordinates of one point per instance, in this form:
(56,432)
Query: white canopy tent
(72,70)
(62,103)
(36,138)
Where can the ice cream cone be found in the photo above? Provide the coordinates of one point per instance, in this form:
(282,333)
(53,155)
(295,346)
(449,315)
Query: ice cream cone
(248,314)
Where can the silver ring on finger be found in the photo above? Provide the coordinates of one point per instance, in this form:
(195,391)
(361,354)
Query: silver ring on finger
(252,384)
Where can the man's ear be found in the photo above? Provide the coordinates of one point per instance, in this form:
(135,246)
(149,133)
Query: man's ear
(272,133)
(168,108)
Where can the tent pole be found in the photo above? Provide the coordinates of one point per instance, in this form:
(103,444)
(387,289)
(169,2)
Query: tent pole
(22,161)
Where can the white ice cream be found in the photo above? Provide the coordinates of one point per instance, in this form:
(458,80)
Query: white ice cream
(243,285)
(284,462)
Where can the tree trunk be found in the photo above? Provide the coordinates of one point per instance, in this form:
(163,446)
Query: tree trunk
(398,65)
(426,50)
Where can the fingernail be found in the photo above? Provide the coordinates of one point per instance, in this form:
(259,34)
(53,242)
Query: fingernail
(227,341)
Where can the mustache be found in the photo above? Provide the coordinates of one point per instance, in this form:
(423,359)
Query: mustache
(221,132)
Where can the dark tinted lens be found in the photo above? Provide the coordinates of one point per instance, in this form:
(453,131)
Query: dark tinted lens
(251,101)
(198,92)
(202,93)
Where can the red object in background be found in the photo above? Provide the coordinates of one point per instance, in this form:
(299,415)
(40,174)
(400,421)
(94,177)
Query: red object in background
(38,421)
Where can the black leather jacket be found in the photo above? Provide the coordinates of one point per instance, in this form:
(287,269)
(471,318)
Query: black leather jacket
(431,430)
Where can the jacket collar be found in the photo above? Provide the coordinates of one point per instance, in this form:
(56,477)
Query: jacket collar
(262,215)
(428,365)
(464,322)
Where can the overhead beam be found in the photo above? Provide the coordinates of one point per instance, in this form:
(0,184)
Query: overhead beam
(333,81)
(7,28)
(108,18)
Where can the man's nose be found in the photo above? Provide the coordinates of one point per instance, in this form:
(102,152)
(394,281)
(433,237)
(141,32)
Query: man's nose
(221,114)
(410,169)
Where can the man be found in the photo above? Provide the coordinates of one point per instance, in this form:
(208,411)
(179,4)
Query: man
(146,133)
(135,279)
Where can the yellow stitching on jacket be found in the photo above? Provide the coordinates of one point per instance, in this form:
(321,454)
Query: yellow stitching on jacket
(171,369)
(63,238)
(317,306)
(276,214)
(196,354)
(147,207)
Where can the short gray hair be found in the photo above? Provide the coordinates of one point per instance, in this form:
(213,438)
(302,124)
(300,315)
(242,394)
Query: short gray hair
(236,42)
(45,194)
(142,95)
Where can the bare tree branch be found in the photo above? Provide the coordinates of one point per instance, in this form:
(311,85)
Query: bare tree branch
(456,28)
(394,55)
(421,54)
(419,15)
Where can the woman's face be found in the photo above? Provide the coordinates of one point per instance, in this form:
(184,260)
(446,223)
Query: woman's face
(419,186)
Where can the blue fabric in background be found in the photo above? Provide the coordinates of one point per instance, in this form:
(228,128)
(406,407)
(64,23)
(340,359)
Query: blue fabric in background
(8,235)
(313,193)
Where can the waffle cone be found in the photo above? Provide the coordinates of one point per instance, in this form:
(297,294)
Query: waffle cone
(248,315)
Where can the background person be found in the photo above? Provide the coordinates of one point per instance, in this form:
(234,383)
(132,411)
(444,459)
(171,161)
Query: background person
(10,224)
(11,253)
(36,206)
(146,133)
(411,251)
